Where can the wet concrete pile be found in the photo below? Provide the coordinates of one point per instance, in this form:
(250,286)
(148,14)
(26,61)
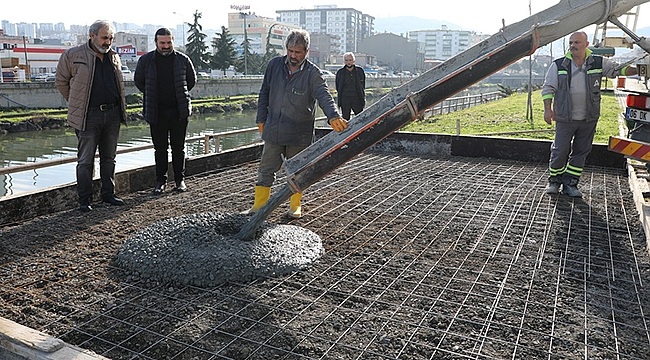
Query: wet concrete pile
(202,250)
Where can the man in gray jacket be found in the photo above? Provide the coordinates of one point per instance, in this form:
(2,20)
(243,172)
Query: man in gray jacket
(286,110)
(89,77)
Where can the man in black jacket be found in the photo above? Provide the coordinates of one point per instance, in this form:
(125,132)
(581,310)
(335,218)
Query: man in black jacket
(350,87)
(165,77)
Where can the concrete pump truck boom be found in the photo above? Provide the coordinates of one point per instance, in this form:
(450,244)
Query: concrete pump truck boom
(405,103)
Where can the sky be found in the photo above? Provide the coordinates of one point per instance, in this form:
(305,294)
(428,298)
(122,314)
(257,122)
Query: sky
(478,15)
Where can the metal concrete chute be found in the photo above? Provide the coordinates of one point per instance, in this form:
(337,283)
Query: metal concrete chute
(403,104)
(639,41)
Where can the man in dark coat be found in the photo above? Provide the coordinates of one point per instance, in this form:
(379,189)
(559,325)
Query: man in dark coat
(165,77)
(350,87)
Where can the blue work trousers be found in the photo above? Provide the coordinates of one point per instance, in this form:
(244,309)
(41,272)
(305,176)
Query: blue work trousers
(572,144)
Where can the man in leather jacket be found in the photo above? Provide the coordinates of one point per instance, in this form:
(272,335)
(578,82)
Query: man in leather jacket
(89,77)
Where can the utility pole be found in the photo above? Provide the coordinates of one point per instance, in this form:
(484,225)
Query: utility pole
(529,101)
(183,23)
(240,8)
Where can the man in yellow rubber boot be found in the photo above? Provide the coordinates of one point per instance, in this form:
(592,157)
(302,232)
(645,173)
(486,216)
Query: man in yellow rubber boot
(286,111)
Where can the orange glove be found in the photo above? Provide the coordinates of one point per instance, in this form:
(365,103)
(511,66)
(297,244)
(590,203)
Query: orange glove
(260,127)
(338,124)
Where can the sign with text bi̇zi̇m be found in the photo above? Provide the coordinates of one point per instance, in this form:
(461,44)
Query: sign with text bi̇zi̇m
(127,50)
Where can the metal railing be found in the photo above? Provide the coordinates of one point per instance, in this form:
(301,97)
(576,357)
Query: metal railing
(447,106)
(217,137)
(462,102)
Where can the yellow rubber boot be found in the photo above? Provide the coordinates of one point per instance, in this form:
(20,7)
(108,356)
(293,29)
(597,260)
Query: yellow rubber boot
(262,194)
(295,211)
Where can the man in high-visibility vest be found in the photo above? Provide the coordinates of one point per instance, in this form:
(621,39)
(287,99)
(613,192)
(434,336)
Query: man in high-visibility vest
(571,95)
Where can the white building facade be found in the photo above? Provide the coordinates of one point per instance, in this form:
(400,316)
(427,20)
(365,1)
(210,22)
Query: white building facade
(261,32)
(350,25)
(442,44)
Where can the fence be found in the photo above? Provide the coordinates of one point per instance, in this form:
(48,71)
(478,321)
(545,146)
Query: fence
(462,102)
(217,138)
(205,141)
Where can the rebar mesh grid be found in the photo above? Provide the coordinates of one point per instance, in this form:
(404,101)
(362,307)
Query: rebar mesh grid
(426,258)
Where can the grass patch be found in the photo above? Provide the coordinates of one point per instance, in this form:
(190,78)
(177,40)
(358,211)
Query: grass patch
(509,115)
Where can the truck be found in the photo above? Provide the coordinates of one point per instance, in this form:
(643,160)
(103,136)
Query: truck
(636,143)
(408,101)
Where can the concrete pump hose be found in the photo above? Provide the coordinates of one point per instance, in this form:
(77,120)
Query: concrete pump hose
(608,9)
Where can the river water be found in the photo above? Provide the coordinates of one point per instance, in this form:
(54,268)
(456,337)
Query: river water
(34,146)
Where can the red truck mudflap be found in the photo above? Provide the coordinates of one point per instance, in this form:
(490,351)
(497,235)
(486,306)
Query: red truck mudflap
(637,117)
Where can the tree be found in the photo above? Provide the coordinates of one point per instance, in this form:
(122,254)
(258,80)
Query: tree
(196,48)
(270,52)
(505,91)
(242,65)
(256,64)
(224,51)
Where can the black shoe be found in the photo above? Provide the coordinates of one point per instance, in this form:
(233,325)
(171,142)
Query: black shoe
(180,186)
(113,200)
(159,189)
(85,208)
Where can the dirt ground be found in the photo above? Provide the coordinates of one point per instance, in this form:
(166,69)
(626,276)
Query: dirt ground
(425,258)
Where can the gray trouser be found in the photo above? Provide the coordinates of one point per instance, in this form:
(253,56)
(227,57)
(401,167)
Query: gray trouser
(272,161)
(570,148)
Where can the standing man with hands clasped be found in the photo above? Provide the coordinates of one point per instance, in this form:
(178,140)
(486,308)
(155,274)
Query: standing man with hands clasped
(286,111)
(571,95)
(89,77)
(165,77)
(350,87)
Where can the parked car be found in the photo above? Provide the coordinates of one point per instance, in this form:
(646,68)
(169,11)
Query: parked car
(38,77)
(127,75)
(203,75)
(327,73)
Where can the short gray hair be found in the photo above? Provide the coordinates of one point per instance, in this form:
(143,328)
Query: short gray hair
(100,24)
(350,54)
(298,37)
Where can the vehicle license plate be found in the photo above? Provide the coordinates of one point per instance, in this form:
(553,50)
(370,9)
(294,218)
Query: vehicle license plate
(637,115)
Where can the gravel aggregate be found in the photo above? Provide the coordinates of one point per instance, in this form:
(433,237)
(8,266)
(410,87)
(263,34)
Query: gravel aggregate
(202,250)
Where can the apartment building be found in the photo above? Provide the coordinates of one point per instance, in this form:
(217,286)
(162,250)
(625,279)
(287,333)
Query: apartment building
(442,44)
(259,30)
(349,25)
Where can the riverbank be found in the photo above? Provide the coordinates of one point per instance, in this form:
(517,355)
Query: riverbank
(56,118)
(44,95)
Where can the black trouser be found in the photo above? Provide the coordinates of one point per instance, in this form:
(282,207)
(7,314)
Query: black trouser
(348,105)
(169,131)
(102,131)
